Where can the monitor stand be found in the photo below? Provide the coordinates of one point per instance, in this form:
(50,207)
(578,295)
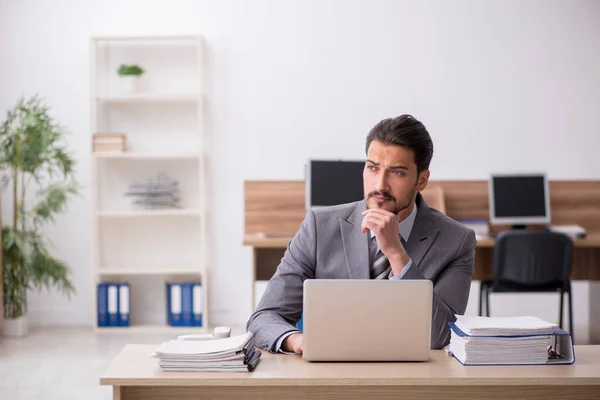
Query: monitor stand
(519,227)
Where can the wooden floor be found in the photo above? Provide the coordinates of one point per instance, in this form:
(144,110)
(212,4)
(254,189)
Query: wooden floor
(62,363)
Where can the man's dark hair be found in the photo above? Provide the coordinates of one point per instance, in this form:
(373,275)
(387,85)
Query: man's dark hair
(405,131)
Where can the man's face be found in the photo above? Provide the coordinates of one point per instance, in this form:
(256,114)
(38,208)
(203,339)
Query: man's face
(390,178)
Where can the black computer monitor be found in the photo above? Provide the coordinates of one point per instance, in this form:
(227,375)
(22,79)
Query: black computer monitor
(330,183)
(519,199)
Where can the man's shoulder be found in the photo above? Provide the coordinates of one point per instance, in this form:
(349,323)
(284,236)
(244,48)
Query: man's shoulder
(343,211)
(447,224)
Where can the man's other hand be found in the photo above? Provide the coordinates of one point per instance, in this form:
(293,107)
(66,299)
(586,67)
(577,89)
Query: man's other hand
(293,343)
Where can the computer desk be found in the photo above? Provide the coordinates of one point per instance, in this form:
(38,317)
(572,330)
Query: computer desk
(274,210)
(268,250)
(136,375)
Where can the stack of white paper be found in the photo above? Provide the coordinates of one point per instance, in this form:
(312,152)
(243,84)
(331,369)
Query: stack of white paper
(518,340)
(236,353)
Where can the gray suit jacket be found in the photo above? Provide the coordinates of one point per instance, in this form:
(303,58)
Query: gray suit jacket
(330,245)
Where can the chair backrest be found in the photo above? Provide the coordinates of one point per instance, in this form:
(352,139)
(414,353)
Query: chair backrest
(532,257)
(434,197)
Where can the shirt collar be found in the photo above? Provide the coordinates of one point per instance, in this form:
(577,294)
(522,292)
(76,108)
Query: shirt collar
(405,226)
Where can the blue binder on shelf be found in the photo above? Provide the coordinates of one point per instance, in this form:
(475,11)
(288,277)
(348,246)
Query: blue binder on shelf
(197,300)
(113,304)
(186,304)
(124,304)
(174,304)
(102,298)
(560,348)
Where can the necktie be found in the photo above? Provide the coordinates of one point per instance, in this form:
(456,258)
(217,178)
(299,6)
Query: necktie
(381,266)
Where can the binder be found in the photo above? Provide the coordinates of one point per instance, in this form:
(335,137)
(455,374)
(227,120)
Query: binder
(124,299)
(102,298)
(197,304)
(560,350)
(174,304)
(186,304)
(113,305)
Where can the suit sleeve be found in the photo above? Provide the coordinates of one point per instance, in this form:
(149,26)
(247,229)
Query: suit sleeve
(280,307)
(450,290)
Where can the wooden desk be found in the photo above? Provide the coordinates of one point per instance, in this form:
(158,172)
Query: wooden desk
(135,375)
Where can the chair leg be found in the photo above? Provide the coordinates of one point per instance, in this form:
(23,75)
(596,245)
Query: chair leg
(481,298)
(560,309)
(487,302)
(571,315)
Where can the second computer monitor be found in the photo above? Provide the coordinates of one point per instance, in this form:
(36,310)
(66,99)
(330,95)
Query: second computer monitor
(330,183)
(519,199)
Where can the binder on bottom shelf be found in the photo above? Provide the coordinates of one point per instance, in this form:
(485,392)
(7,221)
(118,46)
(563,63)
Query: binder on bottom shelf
(184,304)
(197,306)
(174,304)
(113,304)
(557,348)
(124,309)
(102,299)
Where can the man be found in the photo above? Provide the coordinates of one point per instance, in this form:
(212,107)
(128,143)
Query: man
(392,234)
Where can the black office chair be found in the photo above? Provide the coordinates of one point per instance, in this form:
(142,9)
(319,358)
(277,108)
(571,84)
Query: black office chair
(531,261)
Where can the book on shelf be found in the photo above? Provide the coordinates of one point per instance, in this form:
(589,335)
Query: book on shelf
(109,142)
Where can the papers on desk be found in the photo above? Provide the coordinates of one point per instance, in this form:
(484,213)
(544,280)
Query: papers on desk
(487,326)
(236,353)
(573,231)
(519,340)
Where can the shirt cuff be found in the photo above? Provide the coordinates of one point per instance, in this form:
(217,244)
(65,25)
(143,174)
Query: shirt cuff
(280,342)
(391,276)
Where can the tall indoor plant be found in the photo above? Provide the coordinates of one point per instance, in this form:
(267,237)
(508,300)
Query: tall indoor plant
(39,175)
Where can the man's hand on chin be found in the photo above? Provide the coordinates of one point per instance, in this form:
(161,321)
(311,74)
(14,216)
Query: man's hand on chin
(293,343)
(384,225)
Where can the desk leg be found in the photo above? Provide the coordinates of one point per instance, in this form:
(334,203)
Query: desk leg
(117,393)
(254,266)
(594,317)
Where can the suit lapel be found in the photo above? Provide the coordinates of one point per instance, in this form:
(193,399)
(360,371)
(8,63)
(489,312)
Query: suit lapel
(423,233)
(356,244)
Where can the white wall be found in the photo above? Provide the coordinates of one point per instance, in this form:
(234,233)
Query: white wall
(499,84)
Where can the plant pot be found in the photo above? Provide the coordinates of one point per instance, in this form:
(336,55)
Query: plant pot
(128,84)
(15,327)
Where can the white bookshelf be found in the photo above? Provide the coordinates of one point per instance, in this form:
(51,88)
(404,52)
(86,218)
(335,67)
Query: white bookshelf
(163,124)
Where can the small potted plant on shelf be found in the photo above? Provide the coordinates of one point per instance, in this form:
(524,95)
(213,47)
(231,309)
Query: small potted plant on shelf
(39,172)
(129,75)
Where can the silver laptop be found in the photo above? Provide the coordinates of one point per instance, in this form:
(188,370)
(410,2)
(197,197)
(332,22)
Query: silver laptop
(367,320)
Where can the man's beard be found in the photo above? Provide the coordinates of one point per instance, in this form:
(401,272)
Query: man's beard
(398,206)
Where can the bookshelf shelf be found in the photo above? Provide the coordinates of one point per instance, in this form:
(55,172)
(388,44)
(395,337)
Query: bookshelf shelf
(150,98)
(117,271)
(161,123)
(153,328)
(146,156)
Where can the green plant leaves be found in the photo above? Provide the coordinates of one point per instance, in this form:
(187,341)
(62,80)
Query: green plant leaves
(33,150)
(133,69)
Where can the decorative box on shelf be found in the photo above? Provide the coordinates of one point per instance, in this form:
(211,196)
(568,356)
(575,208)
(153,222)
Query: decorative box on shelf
(108,142)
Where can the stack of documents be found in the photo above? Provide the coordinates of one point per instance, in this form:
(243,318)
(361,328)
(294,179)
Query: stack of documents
(573,231)
(484,340)
(236,353)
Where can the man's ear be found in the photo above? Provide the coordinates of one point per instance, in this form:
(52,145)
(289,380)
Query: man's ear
(423,180)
